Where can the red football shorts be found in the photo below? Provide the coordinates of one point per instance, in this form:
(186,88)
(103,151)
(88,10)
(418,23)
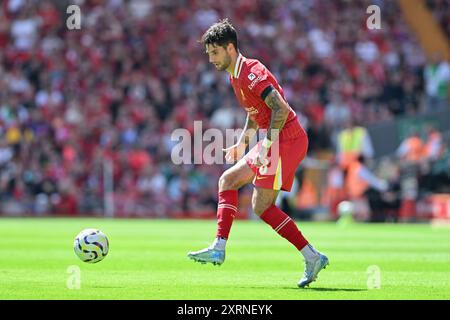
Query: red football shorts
(284,158)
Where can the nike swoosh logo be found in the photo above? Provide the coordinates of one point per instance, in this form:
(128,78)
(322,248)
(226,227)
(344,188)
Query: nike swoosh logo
(260,178)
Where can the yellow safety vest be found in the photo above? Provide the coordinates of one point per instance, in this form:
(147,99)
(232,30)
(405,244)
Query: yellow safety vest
(350,141)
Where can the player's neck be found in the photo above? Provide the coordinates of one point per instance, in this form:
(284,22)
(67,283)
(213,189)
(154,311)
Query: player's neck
(233,65)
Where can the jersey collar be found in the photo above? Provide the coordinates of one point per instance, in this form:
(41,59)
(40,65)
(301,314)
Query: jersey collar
(238,66)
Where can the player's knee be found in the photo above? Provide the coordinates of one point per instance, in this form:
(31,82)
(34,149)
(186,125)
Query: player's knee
(225,182)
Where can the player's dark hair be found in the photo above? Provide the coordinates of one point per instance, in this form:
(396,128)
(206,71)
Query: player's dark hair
(221,34)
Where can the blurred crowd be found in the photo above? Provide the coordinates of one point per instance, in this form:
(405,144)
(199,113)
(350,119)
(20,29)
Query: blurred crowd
(74,101)
(393,187)
(441,12)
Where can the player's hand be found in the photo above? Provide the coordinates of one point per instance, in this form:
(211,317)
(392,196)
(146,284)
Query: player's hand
(261,159)
(235,152)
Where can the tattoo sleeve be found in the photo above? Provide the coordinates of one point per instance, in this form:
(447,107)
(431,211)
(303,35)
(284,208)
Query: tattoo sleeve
(280,112)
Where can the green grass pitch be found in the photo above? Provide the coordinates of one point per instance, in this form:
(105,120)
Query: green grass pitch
(147,260)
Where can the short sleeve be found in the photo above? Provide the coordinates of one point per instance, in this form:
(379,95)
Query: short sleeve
(258,79)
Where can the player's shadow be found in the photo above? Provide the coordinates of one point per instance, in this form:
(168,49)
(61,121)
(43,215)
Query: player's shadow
(329,289)
(312,289)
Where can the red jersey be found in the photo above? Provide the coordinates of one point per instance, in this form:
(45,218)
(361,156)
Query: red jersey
(249,80)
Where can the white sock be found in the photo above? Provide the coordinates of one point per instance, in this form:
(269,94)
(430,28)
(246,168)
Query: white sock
(309,252)
(219,244)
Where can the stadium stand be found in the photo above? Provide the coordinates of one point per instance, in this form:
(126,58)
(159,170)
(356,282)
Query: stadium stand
(113,92)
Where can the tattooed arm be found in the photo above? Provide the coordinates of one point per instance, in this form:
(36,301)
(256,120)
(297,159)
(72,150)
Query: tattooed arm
(280,112)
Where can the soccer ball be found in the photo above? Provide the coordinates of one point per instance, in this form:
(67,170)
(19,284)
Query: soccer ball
(91,245)
(345,208)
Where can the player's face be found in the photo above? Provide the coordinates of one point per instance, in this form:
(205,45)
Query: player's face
(218,56)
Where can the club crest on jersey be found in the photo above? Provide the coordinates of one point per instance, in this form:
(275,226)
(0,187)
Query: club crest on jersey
(251,76)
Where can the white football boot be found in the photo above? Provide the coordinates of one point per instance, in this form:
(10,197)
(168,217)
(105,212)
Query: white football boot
(214,254)
(211,255)
(312,269)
